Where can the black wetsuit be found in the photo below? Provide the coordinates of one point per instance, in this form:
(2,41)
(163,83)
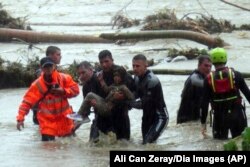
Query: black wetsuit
(229,114)
(119,122)
(155,115)
(99,123)
(191,98)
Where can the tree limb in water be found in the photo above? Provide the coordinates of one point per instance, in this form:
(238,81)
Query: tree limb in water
(181,72)
(190,35)
(70,24)
(8,35)
(232,4)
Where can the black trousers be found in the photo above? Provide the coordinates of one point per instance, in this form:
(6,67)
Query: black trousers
(151,134)
(233,119)
(47,137)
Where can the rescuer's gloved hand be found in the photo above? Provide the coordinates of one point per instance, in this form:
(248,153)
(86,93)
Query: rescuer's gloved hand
(19,125)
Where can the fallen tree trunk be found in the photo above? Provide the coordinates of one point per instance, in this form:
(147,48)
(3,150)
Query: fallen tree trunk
(7,35)
(169,72)
(71,24)
(194,36)
(181,72)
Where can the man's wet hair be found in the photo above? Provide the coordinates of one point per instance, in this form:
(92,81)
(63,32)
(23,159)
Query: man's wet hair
(202,58)
(140,57)
(105,53)
(51,50)
(84,64)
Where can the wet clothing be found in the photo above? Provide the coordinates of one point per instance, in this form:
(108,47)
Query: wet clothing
(52,108)
(94,86)
(47,137)
(155,115)
(221,89)
(119,121)
(191,98)
(35,110)
(103,106)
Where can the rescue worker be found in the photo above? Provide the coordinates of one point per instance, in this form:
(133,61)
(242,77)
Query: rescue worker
(192,92)
(52,90)
(221,88)
(54,53)
(149,90)
(118,122)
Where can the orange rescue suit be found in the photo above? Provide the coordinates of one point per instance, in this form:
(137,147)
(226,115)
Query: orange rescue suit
(52,108)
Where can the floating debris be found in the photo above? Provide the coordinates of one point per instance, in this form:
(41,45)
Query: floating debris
(190,53)
(166,20)
(121,21)
(7,21)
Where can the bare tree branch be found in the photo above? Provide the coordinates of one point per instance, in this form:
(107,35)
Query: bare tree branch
(232,4)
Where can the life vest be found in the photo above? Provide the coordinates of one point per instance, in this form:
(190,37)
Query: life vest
(223,85)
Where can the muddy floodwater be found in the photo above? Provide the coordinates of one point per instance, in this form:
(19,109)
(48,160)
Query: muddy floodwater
(24,148)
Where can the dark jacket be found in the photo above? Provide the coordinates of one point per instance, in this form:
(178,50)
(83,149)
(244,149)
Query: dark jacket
(92,85)
(191,98)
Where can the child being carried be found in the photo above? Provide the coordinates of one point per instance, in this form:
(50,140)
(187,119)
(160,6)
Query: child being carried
(103,106)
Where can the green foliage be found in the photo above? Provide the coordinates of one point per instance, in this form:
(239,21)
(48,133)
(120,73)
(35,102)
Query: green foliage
(246,134)
(246,139)
(241,142)
(14,74)
(1,62)
(32,65)
(230,146)
(71,69)
(245,145)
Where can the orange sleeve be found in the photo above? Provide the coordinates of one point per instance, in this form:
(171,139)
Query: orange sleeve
(30,98)
(71,88)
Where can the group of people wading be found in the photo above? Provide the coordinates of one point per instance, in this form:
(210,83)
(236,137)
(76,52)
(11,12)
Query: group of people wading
(112,92)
